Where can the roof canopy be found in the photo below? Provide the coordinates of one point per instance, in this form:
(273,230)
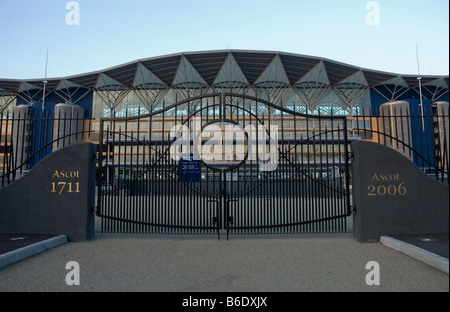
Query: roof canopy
(214,68)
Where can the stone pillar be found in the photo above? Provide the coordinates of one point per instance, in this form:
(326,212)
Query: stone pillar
(393,196)
(56,197)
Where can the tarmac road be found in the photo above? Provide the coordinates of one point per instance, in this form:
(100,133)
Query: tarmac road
(189,263)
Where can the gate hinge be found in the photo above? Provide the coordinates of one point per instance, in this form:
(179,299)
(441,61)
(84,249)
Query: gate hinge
(94,209)
(352,155)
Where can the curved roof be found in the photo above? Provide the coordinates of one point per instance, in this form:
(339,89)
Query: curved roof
(205,68)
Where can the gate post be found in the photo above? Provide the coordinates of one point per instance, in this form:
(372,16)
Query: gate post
(55,198)
(393,196)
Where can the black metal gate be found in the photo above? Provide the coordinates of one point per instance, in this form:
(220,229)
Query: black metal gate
(224,162)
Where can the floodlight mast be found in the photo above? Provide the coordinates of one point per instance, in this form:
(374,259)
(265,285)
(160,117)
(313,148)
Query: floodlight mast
(45,82)
(420,89)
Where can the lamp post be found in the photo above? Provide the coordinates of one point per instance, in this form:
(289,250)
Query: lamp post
(43,95)
(45,82)
(420,89)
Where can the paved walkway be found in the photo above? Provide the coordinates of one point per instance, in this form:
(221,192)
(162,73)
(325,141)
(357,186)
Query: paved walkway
(155,263)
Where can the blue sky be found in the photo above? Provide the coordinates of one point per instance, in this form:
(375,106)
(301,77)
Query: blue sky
(114,32)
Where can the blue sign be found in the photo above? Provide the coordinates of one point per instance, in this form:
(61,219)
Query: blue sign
(189,170)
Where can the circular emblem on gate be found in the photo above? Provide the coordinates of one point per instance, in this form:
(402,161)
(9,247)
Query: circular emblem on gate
(223,145)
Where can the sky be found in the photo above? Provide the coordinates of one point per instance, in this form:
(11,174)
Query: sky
(90,35)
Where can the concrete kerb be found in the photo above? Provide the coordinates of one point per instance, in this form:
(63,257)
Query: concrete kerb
(31,250)
(420,254)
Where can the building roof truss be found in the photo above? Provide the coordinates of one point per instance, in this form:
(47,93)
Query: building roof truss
(68,90)
(395,87)
(31,93)
(149,88)
(333,100)
(188,83)
(436,88)
(272,84)
(314,86)
(351,89)
(110,91)
(230,78)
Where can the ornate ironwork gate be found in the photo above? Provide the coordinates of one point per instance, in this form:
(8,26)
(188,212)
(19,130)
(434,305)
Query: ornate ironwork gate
(224,162)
